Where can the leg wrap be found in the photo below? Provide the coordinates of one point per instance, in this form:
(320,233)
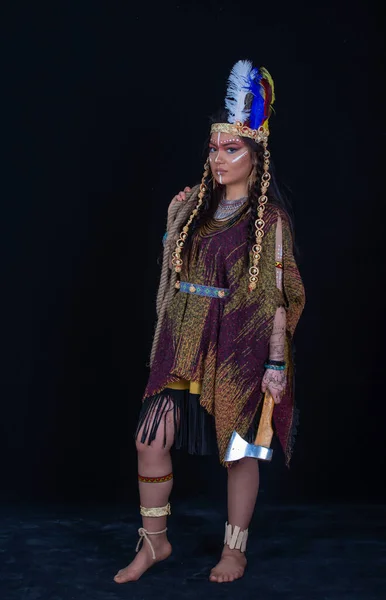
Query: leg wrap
(237,539)
(155,479)
(161,511)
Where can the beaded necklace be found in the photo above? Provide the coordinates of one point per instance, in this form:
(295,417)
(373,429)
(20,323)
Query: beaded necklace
(215,226)
(226,208)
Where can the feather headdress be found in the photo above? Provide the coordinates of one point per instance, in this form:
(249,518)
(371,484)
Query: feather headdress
(249,97)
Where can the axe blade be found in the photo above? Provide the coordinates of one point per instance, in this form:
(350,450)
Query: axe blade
(239,448)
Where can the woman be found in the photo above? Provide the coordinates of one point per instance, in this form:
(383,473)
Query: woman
(229,299)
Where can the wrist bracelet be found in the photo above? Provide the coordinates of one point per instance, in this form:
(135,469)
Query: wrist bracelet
(275,367)
(277,363)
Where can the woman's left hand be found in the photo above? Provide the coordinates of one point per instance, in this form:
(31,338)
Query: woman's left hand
(275,382)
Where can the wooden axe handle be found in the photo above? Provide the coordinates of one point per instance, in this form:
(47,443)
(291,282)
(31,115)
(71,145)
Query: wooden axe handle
(265,431)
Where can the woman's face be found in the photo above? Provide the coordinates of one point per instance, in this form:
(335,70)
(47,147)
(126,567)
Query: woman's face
(230,158)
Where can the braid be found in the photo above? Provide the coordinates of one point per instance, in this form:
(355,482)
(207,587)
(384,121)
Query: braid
(177,216)
(263,179)
(253,199)
(209,204)
(176,255)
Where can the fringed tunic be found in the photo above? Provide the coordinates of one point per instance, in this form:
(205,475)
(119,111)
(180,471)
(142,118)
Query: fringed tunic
(220,345)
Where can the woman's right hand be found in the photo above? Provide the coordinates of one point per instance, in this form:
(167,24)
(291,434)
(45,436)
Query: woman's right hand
(181,196)
(178,198)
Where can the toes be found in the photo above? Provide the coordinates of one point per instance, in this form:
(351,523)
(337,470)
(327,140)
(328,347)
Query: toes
(225,578)
(123,577)
(120,573)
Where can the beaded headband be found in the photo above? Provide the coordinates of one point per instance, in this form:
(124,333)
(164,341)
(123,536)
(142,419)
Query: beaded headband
(249,98)
(258,135)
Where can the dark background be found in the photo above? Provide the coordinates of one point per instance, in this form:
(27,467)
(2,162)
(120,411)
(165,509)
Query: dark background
(106,108)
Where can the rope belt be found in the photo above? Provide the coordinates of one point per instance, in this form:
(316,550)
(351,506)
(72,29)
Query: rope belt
(203,290)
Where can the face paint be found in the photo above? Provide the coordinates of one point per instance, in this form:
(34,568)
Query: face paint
(241,156)
(218,155)
(218,146)
(230,141)
(224,159)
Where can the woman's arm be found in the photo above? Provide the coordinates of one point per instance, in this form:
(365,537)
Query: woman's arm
(275,379)
(277,340)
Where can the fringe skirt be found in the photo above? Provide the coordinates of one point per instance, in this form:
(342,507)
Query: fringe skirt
(194,427)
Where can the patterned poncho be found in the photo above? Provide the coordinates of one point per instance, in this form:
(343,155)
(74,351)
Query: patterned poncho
(224,342)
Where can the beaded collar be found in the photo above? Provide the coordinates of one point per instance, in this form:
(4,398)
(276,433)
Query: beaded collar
(226,208)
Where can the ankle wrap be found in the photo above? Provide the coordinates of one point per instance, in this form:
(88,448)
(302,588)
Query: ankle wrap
(143,535)
(161,511)
(236,539)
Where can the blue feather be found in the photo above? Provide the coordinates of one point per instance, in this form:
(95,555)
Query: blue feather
(257,107)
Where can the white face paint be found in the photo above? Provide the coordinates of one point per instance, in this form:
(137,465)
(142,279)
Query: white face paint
(218,148)
(241,156)
(218,154)
(225,153)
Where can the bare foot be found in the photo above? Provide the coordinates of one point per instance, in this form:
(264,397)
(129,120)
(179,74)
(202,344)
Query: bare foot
(143,561)
(230,567)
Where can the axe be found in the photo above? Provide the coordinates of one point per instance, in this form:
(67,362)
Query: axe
(260,448)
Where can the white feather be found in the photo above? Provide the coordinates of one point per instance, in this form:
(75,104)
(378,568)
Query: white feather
(237,89)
